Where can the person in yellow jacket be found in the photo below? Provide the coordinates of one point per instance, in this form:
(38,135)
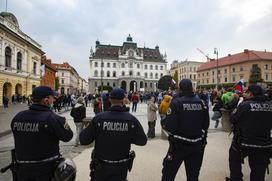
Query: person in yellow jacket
(165,104)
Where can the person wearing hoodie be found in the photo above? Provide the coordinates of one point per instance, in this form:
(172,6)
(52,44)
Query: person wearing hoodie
(165,104)
(78,112)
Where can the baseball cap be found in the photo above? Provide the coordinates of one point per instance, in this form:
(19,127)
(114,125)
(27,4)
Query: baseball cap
(117,93)
(42,92)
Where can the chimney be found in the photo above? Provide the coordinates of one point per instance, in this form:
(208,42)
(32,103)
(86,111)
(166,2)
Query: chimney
(245,50)
(229,55)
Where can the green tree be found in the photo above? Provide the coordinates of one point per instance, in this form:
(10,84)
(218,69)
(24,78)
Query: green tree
(57,84)
(165,82)
(176,78)
(255,76)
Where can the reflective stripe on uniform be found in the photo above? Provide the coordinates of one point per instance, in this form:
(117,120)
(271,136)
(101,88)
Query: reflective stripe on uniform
(39,161)
(256,146)
(116,161)
(189,139)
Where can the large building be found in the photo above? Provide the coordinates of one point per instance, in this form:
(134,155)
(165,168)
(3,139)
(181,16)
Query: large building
(69,80)
(20,59)
(234,67)
(185,70)
(127,66)
(48,73)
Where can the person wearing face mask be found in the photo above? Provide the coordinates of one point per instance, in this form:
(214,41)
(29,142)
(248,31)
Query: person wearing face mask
(37,133)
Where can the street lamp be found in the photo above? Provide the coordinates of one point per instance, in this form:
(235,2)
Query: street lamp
(102,65)
(216,52)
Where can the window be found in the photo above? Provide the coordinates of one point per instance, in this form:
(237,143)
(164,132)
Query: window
(161,74)
(190,76)
(123,73)
(151,67)
(130,73)
(226,79)
(241,76)
(108,73)
(207,81)
(161,67)
(95,73)
(145,75)
(233,79)
(123,65)
(207,73)
(95,84)
(102,64)
(225,71)
(151,75)
(34,68)
(114,65)
(145,84)
(138,73)
(138,65)
(241,69)
(266,67)
(102,73)
(203,74)
(190,69)
(194,69)
(108,64)
(114,74)
(19,61)
(62,81)
(131,65)
(62,74)
(150,84)
(108,84)
(156,67)
(145,66)
(213,80)
(218,72)
(194,77)
(266,76)
(212,72)
(8,57)
(233,69)
(95,64)
(156,75)
(113,84)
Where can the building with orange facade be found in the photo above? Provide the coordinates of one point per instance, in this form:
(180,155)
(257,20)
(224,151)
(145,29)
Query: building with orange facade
(48,73)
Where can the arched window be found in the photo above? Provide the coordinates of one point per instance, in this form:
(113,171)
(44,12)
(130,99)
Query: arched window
(151,67)
(156,67)
(156,75)
(19,61)
(123,65)
(114,74)
(130,73)
(151,75)
(114,65)
(123,73)
(96,73)
(108,73)
(145,75)
(138,74)
(102,73)
(7,57)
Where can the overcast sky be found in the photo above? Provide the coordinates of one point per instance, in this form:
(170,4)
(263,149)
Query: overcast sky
(67,29)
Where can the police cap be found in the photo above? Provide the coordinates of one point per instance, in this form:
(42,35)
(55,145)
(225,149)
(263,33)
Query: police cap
(255,90)
(42,92)
(186,85)
(117,93)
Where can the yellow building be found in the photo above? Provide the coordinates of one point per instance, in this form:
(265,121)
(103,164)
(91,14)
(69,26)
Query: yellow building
(20,59)
(233,68)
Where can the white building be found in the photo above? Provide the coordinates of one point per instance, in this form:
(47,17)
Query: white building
(186,70)
(127,66)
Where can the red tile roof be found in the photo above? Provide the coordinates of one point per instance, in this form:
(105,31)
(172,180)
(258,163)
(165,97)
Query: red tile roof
(247,55)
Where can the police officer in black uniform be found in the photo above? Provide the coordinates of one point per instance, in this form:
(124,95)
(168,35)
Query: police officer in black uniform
(186,122)
(113,132)
(37,133)
(252,139)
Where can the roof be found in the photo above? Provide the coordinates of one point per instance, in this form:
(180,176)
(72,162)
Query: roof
(246,56)
(113,51)
(65,65)
(48,63)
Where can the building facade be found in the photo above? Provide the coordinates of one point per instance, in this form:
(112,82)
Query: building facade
(69,82)
(48,74)
(186,70)
(20,59)
(233,68)
(128,66)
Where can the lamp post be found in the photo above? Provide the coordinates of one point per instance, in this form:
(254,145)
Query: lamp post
(102,65)
(216,52)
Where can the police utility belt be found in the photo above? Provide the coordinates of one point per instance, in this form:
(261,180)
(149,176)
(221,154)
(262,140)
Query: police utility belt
(190,140)
(53,158)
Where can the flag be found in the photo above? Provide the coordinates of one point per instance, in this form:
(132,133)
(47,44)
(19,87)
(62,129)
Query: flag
(173,82)
(239,85)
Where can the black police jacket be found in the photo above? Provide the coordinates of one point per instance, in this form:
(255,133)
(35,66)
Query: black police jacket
(187,117)
(113,131)
(37,132)
(252,121)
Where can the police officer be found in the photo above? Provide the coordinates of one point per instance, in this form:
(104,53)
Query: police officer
(252,127)
(37,133)
(113,132)
(186,122)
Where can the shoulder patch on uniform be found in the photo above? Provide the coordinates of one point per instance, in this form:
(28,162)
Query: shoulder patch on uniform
(169,111)
(66,125)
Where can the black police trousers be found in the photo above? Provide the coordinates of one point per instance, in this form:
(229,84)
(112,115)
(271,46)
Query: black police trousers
(36,171)
(110,172)
(258,160)
(192,157)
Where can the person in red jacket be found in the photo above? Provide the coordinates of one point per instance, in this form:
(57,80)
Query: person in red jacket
(134,100)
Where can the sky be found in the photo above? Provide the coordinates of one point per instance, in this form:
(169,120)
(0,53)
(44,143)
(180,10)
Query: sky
(67,29)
